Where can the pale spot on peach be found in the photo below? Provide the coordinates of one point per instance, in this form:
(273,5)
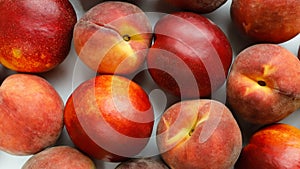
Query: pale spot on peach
(254,85)
(203,118)
(48,65)
(183,133)
(187,131)
(166,123)
(268,69)
(17,53)
(43,56)
(124,58)
(247,27)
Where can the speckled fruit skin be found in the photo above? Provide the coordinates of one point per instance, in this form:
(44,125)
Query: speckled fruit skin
(63,157)
(199,133)
(198,6)
(143,163)
(269,21)
(31,114)
(109,117)
(113,37)
(276,146)
(263,84)
(190,56)
(35,35)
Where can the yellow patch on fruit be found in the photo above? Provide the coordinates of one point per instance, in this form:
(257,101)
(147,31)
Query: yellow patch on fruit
(268,69)
(254,86)
(7,64)
(187,131)
(130,33)
(183,133)
(17,53)
(204,118)
(43,56)
(121,57)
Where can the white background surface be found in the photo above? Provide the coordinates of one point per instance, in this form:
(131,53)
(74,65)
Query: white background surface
(68,75)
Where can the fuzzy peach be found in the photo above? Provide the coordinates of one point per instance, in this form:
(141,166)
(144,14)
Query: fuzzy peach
(143,163)
(113,37)
(64,157)
(31,114)
(268,21)
(199,134)
(263,84)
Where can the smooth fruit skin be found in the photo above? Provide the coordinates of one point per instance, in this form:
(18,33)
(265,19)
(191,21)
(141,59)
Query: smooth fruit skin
(276,146)
(268,21)
(63,157)
(190,56)
(109,117)
(113,38)
(35,35)
(31,114)
(199,134)
(263,85)
(198,6)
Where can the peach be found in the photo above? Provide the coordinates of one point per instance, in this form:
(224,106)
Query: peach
(109,117)
(113,37)
(199,134)
(269,21)
(143,163)
(63,157)
(35,35)
(263,85)
(31,114)
(276,146)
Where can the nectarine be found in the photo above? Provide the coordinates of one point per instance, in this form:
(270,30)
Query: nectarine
(35,35)
(109,117)
(198,6)
(276,146)
(190,56)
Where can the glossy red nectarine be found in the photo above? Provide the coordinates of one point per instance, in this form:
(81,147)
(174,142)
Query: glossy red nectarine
(109,117)
(276,146)
(198,6)
(190,56)
(35,35)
